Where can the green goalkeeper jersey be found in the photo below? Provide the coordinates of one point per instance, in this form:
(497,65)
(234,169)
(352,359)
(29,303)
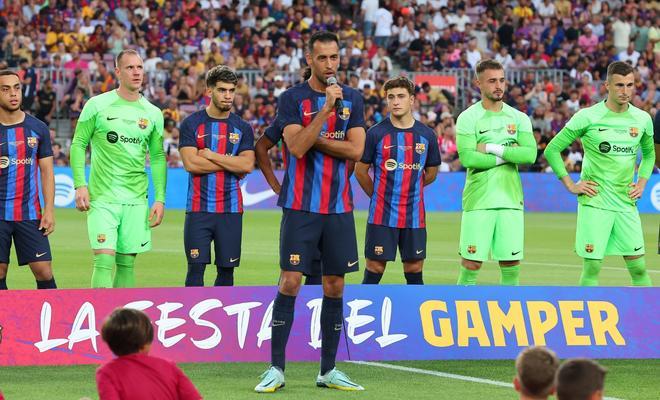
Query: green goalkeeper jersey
(120,133)
(490,184)
(610,141)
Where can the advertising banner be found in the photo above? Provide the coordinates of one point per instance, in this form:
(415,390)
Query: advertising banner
(386,322)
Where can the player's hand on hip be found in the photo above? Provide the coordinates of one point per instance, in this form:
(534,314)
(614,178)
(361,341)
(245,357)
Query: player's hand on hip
(637,190)
(82,198)
(47,224)
(156,214)
(332,93)
(585,187)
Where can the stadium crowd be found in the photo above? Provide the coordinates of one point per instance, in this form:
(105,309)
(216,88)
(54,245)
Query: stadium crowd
(64,51)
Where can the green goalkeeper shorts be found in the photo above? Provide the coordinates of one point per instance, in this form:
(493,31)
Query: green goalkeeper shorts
(499,232)
(120,227)
(601,233)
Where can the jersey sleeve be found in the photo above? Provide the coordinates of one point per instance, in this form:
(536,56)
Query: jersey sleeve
(287,107)
(525,152)
(157,158)
(433,159)
(369,146)
(247,139)
(466,143)
(357,113)
(274,131)
(81,138)
(45,148)
(656,128)
(187,134)
(578,123)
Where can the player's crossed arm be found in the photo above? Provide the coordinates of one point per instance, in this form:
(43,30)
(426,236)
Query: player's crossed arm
(241,164)
(350,149)
(197,164)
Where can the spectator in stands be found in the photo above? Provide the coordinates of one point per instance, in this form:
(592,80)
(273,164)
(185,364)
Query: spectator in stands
(580,379)
(134,374)
(60,159)
(535,373)
(46,102)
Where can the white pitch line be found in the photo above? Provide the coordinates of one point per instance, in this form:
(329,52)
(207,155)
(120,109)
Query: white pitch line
(444,375)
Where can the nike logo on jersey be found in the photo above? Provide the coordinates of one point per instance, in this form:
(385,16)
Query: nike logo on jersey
(602,129)
(307,114)
(278,323)
(250,199)
(144,244)
(234,259)
(419,251)
(111,118)
(389,147)
(337,327)
(201,136)
(350,264)
(41,254)
(515,253)
(638,248)
(482,132)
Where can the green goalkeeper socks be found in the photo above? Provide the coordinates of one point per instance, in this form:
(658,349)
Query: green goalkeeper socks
(102,273)
(125,275)
(590,271)
(467,277)
(638,274)
(510,276)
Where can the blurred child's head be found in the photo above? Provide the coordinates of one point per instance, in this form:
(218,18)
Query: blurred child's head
(128,331)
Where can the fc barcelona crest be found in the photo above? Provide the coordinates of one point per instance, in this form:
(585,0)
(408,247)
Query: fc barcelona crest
(420,148)
(100,238)
(378,250)
(294,259)
(634,131)
(143,123)
(589,248)
(234,137)
(471,249)
(344,113)
(32,141)
(194,253)
(511,129)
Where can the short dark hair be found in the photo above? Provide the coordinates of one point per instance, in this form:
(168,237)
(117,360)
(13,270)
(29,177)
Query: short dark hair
(400,82)
(488,63)
(579,378)
(619,68)
(535,368)
(323,37)
(127,330)
(7,72)
(123,53)
(220,73)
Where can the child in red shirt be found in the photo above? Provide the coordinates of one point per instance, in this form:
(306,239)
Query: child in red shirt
(134,374)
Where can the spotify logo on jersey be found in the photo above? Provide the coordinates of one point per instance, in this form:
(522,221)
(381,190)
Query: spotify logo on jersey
(604,147)
(112,137)
(391,164)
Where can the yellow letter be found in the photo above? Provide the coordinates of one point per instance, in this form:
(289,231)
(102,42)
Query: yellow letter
(446,337)
(463,308)
(513,319)
(571,323)
(608,325)
(541,327)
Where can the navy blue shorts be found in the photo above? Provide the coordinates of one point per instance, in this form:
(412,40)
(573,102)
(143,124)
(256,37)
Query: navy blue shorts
(224,229)
(382,241)
(31,244)
(303,235)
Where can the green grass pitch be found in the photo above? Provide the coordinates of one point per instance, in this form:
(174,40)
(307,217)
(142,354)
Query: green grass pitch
(549,260)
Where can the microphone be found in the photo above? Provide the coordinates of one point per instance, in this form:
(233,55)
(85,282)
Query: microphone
(339,104)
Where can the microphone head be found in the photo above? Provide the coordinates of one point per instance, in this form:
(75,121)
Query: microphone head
(331,80)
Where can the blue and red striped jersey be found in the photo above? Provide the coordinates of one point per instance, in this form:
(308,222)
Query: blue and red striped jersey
(217,192)
(317,182)
(399,157)
(21,147)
